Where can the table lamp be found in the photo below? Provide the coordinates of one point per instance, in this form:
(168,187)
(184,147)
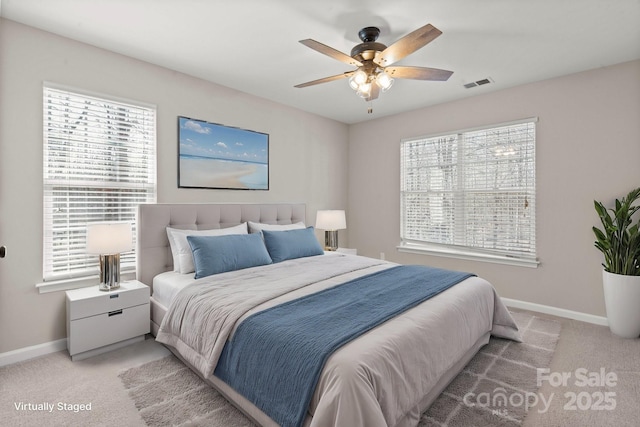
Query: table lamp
(331,221)
(108,240)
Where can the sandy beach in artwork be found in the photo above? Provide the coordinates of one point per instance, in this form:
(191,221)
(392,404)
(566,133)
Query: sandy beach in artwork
(216,173)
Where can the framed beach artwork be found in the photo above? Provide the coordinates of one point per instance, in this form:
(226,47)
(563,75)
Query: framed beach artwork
(211,155)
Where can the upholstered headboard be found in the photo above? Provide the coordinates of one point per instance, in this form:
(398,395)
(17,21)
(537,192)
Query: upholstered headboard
(152,244)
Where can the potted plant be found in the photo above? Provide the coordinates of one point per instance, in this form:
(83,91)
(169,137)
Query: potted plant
(619,241)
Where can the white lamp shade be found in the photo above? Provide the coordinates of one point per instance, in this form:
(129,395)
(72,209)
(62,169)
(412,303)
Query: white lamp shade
(364,90)
(360,77)
(384,81)
(331,220)
(105,238)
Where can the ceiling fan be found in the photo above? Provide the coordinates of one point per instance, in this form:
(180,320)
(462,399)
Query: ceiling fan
(374,61)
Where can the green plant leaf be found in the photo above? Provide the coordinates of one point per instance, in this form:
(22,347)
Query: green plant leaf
(619,240)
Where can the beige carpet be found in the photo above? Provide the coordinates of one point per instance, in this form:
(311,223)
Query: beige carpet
(55,380)
(167,393)
(501,368)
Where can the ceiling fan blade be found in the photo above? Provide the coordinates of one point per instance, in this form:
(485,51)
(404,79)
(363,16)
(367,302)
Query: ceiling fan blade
(375,92)
(329,51)
(418,73)
(326,79)
(407,45)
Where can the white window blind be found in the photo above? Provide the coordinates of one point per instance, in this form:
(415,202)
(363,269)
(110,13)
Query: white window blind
(99,164)
(472,191)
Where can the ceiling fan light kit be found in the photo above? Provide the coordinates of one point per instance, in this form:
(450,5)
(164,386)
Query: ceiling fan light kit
(373,61)
(384,81)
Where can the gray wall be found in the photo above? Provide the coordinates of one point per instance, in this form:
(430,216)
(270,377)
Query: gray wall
(303,148)
(588,147)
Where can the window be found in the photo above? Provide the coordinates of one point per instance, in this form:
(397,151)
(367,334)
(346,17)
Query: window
(99,164)
(471,194)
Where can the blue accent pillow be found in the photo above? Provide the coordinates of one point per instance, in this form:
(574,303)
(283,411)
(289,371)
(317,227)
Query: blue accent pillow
(290,244)
(219,254)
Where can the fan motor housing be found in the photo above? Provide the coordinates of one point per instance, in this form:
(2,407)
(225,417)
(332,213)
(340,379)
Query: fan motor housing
(367,51)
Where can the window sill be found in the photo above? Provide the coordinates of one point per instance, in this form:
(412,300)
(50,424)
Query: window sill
(75,283)
(448,252)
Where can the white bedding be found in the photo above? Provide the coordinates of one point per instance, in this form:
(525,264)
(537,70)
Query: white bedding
(379,379)
(167,285)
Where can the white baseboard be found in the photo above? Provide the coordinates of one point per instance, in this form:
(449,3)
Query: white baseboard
(555,311)
(27,353)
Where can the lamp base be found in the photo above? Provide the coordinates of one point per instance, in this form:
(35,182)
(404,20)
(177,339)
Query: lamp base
(109,272)
(331,240)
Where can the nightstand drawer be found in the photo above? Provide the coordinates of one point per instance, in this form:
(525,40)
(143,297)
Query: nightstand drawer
(128,295)
(96,331)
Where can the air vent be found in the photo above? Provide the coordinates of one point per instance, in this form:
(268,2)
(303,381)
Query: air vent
(479,83)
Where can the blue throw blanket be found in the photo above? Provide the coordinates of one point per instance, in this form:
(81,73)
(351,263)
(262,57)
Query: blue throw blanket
(275,356)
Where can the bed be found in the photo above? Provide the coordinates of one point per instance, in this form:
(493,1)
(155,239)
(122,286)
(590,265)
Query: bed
(387,376)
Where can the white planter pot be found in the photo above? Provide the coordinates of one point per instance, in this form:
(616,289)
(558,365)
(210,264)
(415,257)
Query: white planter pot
(622,301)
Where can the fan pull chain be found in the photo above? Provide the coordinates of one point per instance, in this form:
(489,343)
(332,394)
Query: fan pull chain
(370,109)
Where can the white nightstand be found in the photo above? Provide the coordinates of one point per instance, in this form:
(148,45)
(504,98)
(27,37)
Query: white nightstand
(99,321)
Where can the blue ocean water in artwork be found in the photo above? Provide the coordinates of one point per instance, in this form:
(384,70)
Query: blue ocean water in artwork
(253,175)
(258,180)
(188,156)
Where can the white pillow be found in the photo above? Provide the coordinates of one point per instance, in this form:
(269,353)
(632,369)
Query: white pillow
(181,251)
(256,227)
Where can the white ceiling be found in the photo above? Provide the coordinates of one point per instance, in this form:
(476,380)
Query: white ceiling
(252,45)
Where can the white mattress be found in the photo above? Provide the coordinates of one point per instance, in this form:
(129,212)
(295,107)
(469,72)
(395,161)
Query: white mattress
(167,285)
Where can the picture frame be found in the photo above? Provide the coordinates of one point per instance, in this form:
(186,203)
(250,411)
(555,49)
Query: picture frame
(215,156)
